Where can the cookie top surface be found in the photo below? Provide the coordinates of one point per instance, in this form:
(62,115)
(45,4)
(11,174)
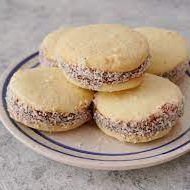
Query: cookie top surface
(46,89)
(107,47)
(167,49)
(138,103)
(49,42)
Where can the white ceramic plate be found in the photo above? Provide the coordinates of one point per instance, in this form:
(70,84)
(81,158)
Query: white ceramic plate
(88,147)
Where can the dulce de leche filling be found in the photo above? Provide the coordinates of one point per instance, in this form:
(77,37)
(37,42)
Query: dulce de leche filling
(27,115)
(94,78)
(165,118)
(177,73)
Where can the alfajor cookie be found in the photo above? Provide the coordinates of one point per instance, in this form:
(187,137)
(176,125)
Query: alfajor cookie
(47,47)
(141,114)
(168,50)
(103,57)
(42,98)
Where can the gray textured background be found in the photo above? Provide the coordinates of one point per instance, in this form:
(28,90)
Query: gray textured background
(23,24)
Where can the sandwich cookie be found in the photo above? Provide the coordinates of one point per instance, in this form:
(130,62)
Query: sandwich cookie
(42,98)
(46,52)
(141,114)
(103,57)
(169,52)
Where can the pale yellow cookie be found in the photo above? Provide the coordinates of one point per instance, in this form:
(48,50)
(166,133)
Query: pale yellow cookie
(168,50)
(140,114)
(42,98)
(104,54)
(48,45)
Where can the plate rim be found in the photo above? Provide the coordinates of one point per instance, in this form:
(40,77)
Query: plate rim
(91,164)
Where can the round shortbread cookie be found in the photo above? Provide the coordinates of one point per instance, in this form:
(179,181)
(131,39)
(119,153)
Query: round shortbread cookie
(168,50)
(104,54)
(42,98)
(141,114)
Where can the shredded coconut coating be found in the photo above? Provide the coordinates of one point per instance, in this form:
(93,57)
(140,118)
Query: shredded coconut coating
(47,62)
(20,112)
(177,73)
(165,118)
(94,78)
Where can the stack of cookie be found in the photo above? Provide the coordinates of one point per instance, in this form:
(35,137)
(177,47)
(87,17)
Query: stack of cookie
(105,65)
